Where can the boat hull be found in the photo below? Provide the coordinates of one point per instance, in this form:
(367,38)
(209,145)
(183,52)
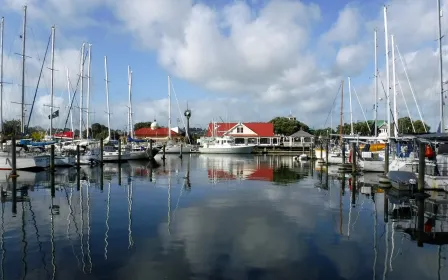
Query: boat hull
(25,163)
(226,150)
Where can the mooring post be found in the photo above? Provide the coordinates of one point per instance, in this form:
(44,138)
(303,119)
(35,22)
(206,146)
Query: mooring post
(119,173)
(343,152)
(163,152)
(421,167)
(386,208)
(180,155)
(119,151)
(327,151)
(101,150)
(13,157)
(353,157)
(78,157)
(150,149)
(311,150)
(420,220)
(52,157)
(386,159)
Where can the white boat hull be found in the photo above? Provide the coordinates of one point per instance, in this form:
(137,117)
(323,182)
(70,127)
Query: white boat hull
(371,165)
(24,163)
(226,150)
(175,149)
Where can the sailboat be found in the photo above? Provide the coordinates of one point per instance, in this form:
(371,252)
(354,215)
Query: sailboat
(134,148)
(171,147)
(22,161)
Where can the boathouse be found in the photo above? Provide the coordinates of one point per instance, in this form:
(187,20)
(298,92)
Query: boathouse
(258,133)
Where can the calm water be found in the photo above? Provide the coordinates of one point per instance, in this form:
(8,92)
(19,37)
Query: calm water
(212,217)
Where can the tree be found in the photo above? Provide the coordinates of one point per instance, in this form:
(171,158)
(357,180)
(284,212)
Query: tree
(37,135)
(285,126)
(420,127)
(405,126)
(323,131)
(142,125)
(11,127)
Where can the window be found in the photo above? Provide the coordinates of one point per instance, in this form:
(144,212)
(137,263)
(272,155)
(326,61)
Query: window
(239,129)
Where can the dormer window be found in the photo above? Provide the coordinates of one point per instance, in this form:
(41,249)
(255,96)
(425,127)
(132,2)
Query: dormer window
(239,129)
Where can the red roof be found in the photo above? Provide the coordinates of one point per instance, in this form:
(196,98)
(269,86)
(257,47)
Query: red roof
(67,134)
(159,132)
(262,129)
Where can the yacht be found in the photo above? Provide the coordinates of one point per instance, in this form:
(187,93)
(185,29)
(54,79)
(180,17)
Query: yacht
(225,145)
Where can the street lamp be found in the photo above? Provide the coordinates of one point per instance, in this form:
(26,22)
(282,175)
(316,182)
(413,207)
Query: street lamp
(187,114)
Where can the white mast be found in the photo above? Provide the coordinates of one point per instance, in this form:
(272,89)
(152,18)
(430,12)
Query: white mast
(70,102)
(22,128)
(386,40)
(394,88)
(2,27)
(81,103)
(52,81)
(89,59)
(169,108)
(376,87)
(442,117)
(107,97)
(351,111)
(131,129)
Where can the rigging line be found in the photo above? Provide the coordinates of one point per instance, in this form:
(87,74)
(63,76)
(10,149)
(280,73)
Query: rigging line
(362,109)
(38,82)
(334,102)
(406,104)
(74,94)
(33,39)
(390,108)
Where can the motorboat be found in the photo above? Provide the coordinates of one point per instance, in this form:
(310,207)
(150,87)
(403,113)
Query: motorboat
(224,145)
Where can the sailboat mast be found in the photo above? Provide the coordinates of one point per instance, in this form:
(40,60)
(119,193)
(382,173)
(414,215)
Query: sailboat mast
(81,103)
(2,27)
(394,88)
(442,117)
(351,110)
(386,40)
(107,97)
(131,129)
(52,80)
(70,102)
(342,111)
(89,59)
(169,107)
(376,86)
(22,126)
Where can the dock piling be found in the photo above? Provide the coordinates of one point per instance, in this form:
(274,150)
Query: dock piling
(353,158)
(78,157)
(343,153)
(13,157)
(180,155)
(163,152)
(52,157)
(150,149)
(327,151)
(386,159)
(421,167)
(119,151)
(101,151)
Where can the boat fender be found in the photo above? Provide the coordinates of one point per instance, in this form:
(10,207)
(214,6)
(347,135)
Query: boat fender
(429,153)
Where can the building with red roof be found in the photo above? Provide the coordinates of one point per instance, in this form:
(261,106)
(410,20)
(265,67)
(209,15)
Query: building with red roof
(259,133)
(160,133)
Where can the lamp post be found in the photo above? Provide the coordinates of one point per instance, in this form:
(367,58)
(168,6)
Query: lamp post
(187,114)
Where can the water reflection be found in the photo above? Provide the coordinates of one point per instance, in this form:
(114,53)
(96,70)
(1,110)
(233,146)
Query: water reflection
(286,221)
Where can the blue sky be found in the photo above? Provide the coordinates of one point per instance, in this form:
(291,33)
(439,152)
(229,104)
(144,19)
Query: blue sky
(295,65)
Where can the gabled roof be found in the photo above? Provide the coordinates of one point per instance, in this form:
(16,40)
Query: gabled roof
(159,132)
(301,133)
(262,129)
